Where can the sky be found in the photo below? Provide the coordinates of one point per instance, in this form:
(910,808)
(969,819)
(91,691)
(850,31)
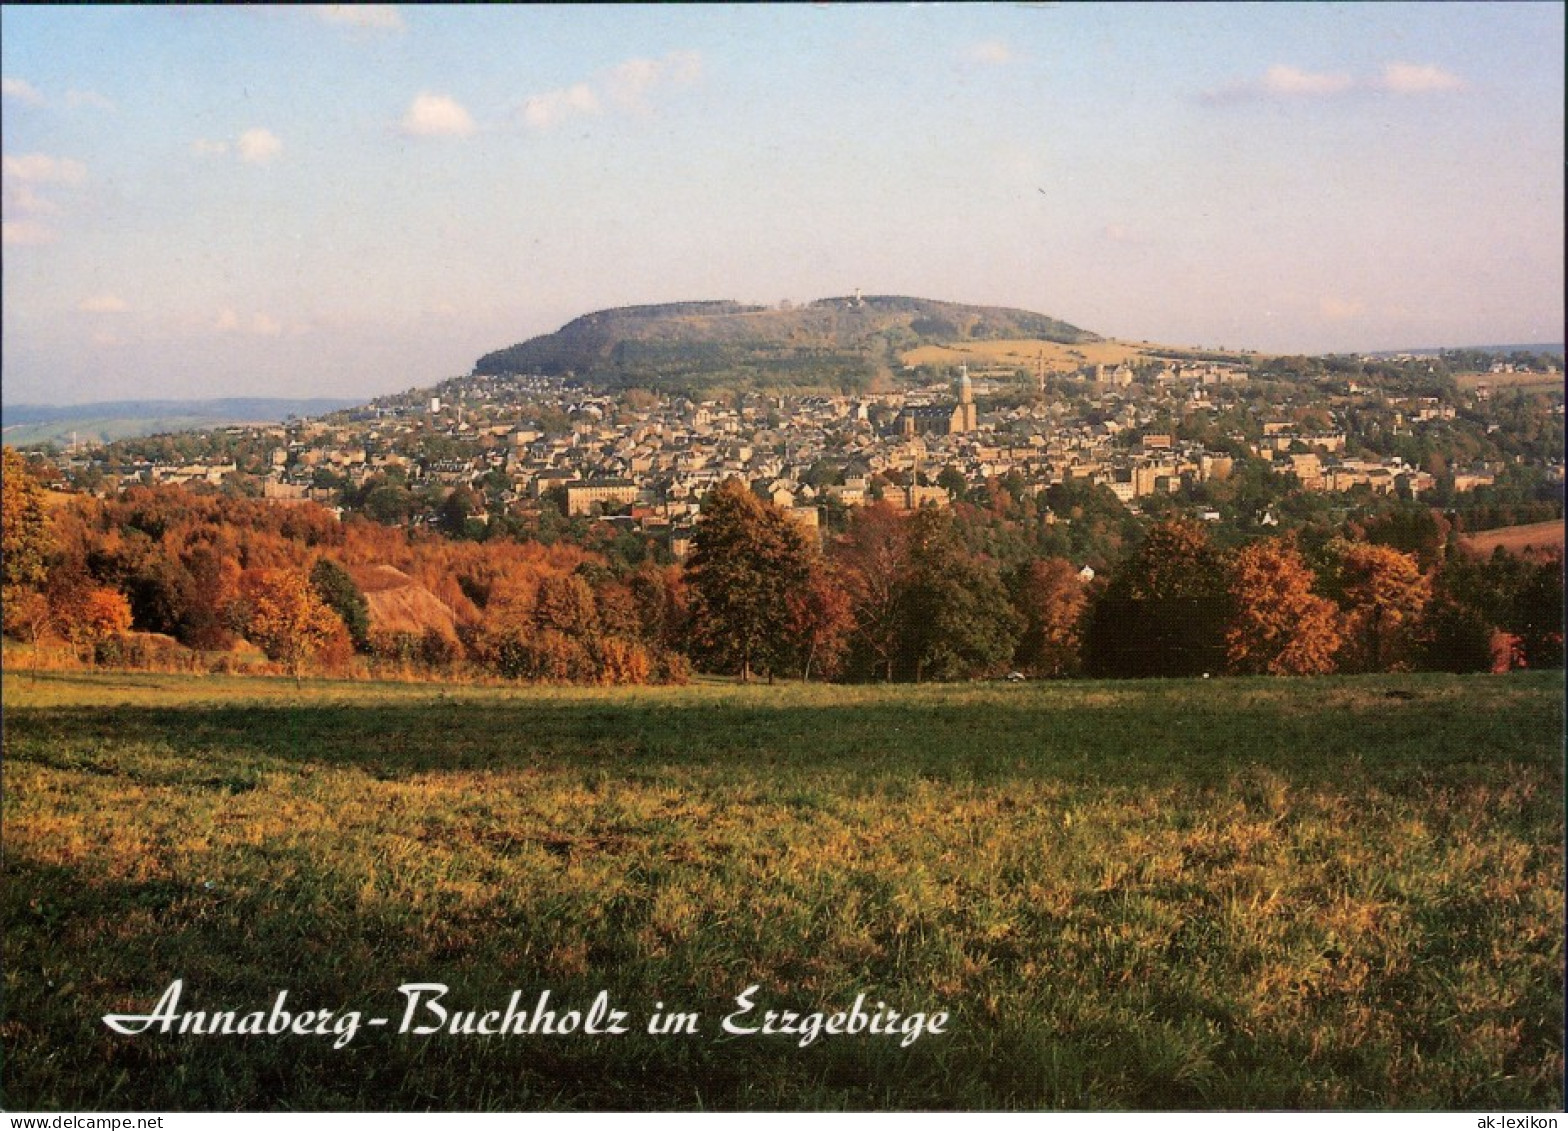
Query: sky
(349,201)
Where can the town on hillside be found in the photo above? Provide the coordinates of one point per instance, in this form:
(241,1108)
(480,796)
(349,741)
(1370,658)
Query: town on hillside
(1239,442)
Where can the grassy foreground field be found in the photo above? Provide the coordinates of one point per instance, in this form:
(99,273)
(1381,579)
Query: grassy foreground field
(1335,893)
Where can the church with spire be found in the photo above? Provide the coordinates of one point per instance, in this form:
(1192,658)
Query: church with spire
(942,419)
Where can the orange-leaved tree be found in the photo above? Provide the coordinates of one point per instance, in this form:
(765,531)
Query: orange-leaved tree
(872,557)
(1052,597)
(281,613)
(1383,594)
(25,544)
(97,621)
(1278,625)
(820,619)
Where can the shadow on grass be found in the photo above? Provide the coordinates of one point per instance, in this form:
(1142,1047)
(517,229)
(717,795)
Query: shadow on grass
(1138,735)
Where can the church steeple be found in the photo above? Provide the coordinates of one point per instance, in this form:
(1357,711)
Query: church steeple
(965,413)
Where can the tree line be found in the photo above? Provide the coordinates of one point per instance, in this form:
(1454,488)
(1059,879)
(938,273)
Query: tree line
(906,597)
(158,574)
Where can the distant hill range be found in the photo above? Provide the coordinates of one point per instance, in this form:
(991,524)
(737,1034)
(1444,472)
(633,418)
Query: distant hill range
(104,421)
(849,343)
(1547,349)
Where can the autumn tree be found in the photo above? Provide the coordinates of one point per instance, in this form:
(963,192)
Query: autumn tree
(565,604)
(282,615)
(820,620)
(872,557)
(1278,625)
(661,598)
(92,617)
(214,586)
(1382,594)
(747,558)
(25,543)
(28,617)
(106,618)
(1051,597)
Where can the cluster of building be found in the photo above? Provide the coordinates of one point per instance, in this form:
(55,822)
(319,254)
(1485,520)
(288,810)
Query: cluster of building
(647,462)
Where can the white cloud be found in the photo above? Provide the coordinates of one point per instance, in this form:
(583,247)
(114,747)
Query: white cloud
(104,304)
(630,83)
(21,90)
(542,111)
(628,86)
(436,115)
(266,326)
(92,100)
(1413,78)
(1282,81)
(992,51)
(381,17)
(20,198)
(258,146)
(204,148)
(1294,82)
(228,322)
(26,233)
(40,168)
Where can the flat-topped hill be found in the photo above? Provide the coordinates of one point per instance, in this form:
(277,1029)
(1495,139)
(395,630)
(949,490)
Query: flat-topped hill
(845,343)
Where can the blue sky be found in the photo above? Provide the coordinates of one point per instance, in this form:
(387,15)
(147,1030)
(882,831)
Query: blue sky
(329,201)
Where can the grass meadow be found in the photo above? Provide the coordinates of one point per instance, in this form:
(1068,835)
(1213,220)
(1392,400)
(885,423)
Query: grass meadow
(1340,893)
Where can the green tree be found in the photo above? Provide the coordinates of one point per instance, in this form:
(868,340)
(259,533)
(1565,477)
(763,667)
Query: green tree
(953,479)
(747,559)
(1164,611)
(956,621)
(337,591)
(458,507)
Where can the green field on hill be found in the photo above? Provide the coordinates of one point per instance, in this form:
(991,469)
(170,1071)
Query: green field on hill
(1340,893)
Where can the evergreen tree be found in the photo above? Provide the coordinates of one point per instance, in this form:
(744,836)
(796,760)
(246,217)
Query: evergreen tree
(337,591)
